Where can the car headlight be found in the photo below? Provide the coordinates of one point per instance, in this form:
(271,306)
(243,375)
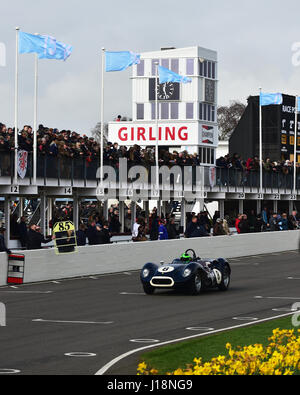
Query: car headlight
(146,273)
(187,272)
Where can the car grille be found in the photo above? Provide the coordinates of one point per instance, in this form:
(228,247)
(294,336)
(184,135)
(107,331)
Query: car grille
(162,282)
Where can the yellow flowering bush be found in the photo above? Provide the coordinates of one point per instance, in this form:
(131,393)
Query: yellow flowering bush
(280,357)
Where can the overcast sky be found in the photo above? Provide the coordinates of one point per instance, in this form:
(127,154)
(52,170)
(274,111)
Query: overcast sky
(253,40)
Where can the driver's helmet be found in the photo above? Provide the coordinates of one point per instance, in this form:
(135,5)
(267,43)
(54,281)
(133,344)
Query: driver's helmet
(186,258)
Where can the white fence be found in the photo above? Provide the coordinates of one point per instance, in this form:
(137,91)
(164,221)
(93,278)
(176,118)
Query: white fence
(43,265)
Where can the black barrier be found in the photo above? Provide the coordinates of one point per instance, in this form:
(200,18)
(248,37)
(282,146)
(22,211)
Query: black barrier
(61,167)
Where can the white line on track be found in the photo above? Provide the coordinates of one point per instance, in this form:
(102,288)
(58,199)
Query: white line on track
(245,319)
(27,292)
(144,341)
(9,371)
(200,329)
(293,278)
(73,322)
(80,354)
(277,297)
(65,280)
(110,364)
(132,293)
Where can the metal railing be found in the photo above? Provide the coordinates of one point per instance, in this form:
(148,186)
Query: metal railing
(65,168)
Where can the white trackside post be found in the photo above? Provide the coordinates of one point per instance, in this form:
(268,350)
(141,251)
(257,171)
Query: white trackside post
(260,143)
(35,119)
(102,119)
(16,104)
(156,128)
(295,146)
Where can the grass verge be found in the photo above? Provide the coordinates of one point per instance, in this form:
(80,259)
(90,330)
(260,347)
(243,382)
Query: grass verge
(172,357)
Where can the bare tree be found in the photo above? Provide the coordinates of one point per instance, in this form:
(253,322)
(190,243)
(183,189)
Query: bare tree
(96,132)
(229,117)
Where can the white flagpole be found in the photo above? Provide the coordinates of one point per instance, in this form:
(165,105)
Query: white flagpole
(260,143)
(102,119)
(16,104)
(295,146)
(156,127)
(35,119)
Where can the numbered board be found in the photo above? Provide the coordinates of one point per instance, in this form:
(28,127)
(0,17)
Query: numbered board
(68,191)
(14,189)
(65,240)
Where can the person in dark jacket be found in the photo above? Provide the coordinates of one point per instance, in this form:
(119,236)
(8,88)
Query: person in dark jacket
(35,239)
(3,247)
(195,230)
(93,234)
(244,225)
(283,223)
(81,235)
(154,228)
(171,229)
(274,223)
(23,232)
(105,234)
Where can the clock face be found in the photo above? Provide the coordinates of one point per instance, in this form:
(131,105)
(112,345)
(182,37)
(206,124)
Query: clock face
(170,91)
(165,91)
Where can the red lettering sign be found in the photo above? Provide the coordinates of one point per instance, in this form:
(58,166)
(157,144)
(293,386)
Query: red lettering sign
(142,134)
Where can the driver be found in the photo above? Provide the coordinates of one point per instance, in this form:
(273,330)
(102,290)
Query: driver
(186,258)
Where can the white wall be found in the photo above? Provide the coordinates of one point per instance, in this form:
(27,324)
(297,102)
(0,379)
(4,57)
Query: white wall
(44,265)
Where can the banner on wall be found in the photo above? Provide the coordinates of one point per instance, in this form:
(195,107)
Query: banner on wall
(22,163)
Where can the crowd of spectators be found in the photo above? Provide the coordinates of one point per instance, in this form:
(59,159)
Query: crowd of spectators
(267,221)
(236,162)
(94,229)
(65,143)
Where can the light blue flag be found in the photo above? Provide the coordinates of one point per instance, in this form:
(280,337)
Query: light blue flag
(298,104)
(268,99)
(46,47)
(166,75)
(119,61)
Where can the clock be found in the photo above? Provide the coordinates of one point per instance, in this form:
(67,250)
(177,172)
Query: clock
(165,91)
(210,95)
(170,91)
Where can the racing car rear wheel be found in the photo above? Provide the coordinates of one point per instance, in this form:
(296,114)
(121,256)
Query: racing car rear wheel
(196,284)
(224,285)
(149,290)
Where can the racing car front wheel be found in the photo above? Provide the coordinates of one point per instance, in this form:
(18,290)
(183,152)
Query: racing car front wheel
(224,285)
(149,290)
(196,284)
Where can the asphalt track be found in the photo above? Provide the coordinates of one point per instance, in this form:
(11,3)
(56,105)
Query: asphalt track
(100,315)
